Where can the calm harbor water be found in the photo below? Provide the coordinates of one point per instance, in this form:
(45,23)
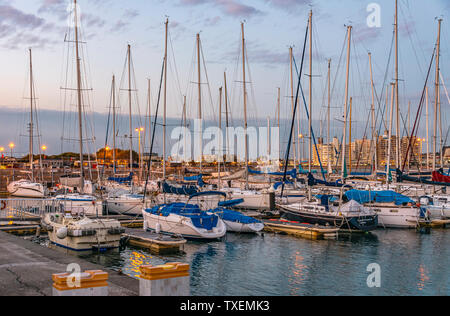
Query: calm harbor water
(272,265)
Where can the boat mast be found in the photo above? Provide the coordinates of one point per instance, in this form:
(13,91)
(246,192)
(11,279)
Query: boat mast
(79,95)
(310,93)
(31,116)
(291,61)
(428,136)
(397,100)
(439,97)
(200,116)
(437,89)
(245,107)
(330,170)
(219,149)
(114,121)
(185,128)
(349,34)
(279,118)
(388,163)
(150,114)
(129,107)
(226,114)
(374,141)
(165,102)
(350,137)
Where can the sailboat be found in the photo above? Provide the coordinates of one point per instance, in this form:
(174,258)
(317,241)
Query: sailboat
(80,200)
(29,188)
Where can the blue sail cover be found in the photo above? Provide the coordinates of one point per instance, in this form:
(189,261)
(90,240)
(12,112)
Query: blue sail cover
(184,190)
(122,180)
(235,217)
(378,196)
(313,181)
(198,178)
(199,218)
(279,184)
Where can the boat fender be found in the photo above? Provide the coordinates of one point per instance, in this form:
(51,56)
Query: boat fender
(145,225)
(158,228)
(62,233)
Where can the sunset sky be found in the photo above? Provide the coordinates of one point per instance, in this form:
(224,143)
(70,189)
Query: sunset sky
(271,27)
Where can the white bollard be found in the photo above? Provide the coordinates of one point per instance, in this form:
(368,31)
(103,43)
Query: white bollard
(172,279)
(89,283)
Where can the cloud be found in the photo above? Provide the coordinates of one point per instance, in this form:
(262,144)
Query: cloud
(18,28)
(289,5)
(229,7)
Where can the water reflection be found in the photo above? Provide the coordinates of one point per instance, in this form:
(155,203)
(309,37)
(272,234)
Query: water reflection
(258,265)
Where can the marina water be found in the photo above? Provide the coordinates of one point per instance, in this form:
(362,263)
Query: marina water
(272,265)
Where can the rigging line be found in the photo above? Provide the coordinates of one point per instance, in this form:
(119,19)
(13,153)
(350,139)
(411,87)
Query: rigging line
(149,164)
(381,110)
(417,121)
(208,82)
(175,69)
(286,163)
(312,130)
(107,130)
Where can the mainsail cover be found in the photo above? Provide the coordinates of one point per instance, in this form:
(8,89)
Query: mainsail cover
(363,197)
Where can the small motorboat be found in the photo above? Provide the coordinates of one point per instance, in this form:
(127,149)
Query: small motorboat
(79,233)
(186,220)
(237,222)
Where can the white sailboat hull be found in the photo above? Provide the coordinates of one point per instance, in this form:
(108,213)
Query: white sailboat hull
(396,217)
(181,226)
(26,189)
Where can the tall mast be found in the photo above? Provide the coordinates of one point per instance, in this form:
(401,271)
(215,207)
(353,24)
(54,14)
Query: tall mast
(185,127)
(80,105)
(437,89)
(397,101)
(349,34)
(388,163)
(291,60)
(329,116)
(350,137)
(130,110)
(245,105)
(441,149)
(428,135)
(219,150)
(165,102)
(279,118)
(226,113)
(31,116)
(114,120)
(374,141)
(149,113)
(310,92)
(200,116)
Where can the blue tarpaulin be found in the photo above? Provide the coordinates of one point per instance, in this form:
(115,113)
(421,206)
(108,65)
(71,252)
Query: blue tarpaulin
(378,196)
(184,190)
(122,180)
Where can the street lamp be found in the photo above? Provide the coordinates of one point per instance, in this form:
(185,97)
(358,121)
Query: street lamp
(12,146)
(2,149)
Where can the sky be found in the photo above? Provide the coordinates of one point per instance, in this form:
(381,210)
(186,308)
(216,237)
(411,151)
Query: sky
(271,26)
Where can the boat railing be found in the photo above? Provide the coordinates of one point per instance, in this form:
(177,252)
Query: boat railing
(26,208)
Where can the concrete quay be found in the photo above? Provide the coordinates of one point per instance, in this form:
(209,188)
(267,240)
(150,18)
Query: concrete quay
(26,269)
